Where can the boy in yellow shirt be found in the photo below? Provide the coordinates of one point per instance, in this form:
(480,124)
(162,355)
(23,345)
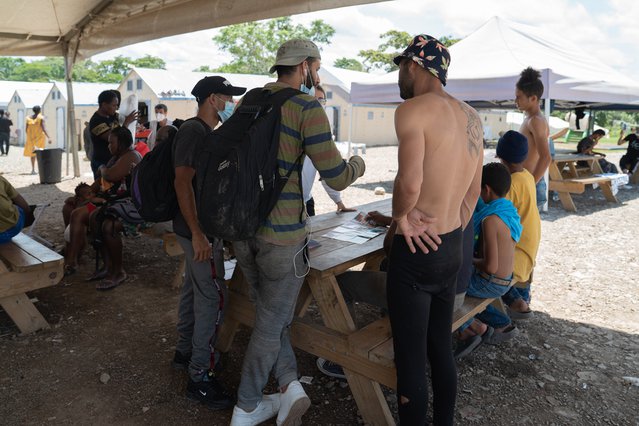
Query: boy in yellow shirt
(512,151)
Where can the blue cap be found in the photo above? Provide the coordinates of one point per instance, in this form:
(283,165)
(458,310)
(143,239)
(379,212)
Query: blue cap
(512,147)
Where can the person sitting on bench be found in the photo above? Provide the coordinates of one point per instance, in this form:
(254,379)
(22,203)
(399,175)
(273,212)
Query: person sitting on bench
(497,230)
(586,146)
(15,213)
(114,183)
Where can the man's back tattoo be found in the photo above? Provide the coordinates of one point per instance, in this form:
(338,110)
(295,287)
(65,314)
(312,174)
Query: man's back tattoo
(473,130)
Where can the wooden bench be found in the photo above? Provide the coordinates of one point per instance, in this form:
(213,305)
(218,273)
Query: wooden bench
(578,186)
(26,265)
(567,177)
(375,341)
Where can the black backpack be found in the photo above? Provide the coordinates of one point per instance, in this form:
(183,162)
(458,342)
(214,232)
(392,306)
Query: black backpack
(152,183)
(237,176)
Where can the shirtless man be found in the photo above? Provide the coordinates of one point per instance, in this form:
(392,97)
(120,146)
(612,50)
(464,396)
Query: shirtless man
(439,175)
(528,92)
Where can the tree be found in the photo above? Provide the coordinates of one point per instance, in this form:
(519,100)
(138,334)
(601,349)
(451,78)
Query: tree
(8,66)
(448,40)
(52,68)
(393,42)
(204,68)
(349,64)
(253,45)
(148,61)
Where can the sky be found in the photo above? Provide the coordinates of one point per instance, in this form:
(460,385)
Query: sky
(606,28)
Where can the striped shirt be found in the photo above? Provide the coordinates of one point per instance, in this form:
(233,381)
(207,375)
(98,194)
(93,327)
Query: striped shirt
(304,130)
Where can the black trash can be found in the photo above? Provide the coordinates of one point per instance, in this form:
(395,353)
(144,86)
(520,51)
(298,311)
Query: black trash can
(49,164)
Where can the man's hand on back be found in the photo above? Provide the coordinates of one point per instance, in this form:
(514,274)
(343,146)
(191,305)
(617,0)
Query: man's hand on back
(418,231)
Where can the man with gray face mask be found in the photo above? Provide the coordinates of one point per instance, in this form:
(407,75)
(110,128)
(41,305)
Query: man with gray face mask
(272,261)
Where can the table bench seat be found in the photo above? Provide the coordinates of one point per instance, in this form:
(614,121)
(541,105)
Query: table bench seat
(576,185)
(380,339)
(26,265)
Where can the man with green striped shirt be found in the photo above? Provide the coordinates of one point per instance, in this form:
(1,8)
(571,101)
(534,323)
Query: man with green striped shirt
(273,261)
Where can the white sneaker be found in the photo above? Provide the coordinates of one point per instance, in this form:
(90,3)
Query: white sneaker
(293,404)
(266,409)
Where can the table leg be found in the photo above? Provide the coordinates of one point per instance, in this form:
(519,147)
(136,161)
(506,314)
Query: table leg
(606,188)
(23,313)
(331,303)
(370,400)
(567,202)
(367,393)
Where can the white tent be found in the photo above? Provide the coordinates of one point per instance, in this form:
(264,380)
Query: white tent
(80,28)
(486,64)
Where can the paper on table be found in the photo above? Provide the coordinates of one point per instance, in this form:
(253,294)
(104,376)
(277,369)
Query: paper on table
(357,230)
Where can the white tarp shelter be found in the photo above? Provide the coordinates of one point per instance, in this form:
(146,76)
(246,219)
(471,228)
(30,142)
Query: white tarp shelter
(486,65)
(78,29)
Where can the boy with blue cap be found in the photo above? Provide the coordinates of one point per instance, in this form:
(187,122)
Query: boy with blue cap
(512,150)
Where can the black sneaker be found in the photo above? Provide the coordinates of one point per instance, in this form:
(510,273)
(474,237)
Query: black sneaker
(330,368)
(209,392)
(181,361)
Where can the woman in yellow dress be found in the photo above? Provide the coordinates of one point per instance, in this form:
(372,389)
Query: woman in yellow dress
(35,136)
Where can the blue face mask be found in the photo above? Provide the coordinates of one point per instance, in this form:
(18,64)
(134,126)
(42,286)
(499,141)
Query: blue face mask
(229,107)
(309,91)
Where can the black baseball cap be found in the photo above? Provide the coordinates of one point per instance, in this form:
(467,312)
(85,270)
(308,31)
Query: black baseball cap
(216,84)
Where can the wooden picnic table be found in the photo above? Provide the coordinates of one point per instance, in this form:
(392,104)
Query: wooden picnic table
(568,177)
(337,339)
(26,265)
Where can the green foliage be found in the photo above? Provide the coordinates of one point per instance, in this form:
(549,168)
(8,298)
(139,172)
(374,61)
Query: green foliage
(204,68)
(393,42)
(349,64)
(253,45)
(448,40)
(8,66)
(52,68)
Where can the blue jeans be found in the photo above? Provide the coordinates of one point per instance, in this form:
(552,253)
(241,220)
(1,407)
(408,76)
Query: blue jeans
(486,289)
(516,293)
(6,236)
(542,195)
(275,276)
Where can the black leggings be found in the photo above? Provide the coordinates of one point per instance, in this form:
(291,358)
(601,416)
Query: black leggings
(421,293)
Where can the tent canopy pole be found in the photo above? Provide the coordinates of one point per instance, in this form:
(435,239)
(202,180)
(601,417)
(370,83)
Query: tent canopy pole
(69,62)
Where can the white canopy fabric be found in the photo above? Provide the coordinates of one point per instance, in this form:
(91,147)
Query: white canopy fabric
(486,65)
(78,29)
(40,27)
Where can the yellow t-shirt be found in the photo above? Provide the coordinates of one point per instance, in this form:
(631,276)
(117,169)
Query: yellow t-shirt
(8,211)
(524,196)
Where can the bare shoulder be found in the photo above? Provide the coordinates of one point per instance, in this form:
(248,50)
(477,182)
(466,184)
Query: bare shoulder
(494,224)
(538,124)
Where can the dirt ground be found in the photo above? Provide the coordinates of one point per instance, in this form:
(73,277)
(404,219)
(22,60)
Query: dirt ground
(105,359)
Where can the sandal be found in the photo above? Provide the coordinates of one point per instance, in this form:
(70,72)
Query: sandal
(69,270)
(503,336)
(107,284)
(97,275)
